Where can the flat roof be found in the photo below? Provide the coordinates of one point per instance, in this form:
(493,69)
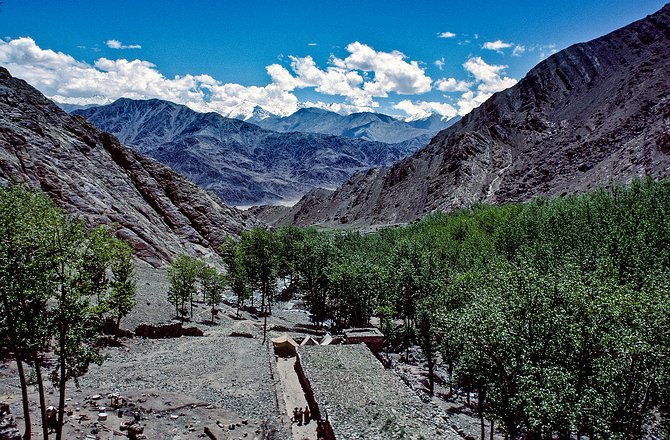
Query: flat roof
(362,332)
(363,400)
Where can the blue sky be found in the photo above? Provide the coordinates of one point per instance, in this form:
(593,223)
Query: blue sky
(399,57)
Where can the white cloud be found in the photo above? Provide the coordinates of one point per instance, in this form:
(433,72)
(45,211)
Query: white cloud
(446,35)
(332,81)
(312,44)
(116,44)
(60,76)
(439,63)
(343,109)
(452,85)
(392,73)
(546,50)
(497,45)
(423,109)
(518,50)
(489,78)
(362,76)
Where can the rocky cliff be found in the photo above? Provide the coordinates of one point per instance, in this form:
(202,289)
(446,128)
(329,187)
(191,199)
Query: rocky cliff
(241,162)
(594,114)
(93,176)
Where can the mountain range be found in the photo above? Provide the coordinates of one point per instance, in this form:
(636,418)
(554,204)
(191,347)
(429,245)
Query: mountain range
(594,114)
(364,125)
(93,176)
(239,161)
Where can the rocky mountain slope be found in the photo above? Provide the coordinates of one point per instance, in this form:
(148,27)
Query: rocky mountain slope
(591,115)
(365,125)
(89,173)
(241,162)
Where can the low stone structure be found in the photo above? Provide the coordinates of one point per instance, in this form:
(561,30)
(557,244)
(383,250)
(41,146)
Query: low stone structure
(346,386)
(163,331)
(371,337)
(8,428)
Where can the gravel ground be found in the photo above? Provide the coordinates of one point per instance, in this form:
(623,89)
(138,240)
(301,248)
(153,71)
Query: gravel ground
(365,401)
(231,385)
(178,385)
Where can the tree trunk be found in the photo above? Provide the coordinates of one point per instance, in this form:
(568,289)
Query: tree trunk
(27,435)
(117,327)
(61,383)
(492,429)
(431,373)
(40,388)
(265,315)
(480,408)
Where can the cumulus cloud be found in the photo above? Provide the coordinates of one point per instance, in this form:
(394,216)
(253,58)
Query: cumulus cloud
(343,109)
(312,44)
(423,109)
(439,63)
(452,85)
(392,73)
(360,77)
(61,77)
(332,81)
(446,35)
(489,79)
(497,45)
(546,50)
(116,44)
(518,50)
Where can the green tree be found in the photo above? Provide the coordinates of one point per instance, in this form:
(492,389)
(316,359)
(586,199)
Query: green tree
(289,241)
(317,252)
(27,221)
(236,276)
(124,288)
(212,284)
(80,256)
(54,287)
(182,275)
(260,249)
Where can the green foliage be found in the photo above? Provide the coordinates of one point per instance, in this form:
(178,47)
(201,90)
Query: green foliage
(213,284)
(182,275)
(54,288)
(124,288)
(555,312)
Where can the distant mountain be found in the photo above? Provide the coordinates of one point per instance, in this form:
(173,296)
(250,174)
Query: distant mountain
(594,114)
(241,162)
(93,176)
(69,108)
(366,125)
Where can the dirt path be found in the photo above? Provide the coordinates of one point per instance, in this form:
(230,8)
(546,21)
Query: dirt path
(294,397)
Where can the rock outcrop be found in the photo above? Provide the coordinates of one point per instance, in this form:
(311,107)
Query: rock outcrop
(594,114)
(93,176)
(241,162)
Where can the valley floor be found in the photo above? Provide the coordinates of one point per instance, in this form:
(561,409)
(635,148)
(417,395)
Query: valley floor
(232,385)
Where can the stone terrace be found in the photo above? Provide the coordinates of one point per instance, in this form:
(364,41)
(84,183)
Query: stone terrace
(362,400)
